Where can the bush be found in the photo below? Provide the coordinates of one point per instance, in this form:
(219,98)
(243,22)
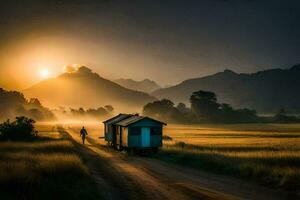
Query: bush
(180,144)
(167,138)
(20,129)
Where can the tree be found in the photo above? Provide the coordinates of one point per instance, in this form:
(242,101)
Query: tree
(246,115)
(20,129)
(282,117)
(227,113)
(109,108)
(81,111)
(14,103)
(281,112)
(204,108)
(204,104)
(181,107)
(158,107)
(102,111)
(99,112)
(35,102)
(163,109)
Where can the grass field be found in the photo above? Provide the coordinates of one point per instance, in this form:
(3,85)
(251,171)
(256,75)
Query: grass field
(46,168)
(266,153)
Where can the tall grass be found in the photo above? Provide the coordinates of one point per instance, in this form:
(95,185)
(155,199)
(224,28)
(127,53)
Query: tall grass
(264,155)
(47,168)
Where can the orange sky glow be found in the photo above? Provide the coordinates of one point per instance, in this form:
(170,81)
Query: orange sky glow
(165,42)
(25,59)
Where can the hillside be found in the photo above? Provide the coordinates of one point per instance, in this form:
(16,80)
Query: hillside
(145,85)
(265,91)
(83,88)
(13,103)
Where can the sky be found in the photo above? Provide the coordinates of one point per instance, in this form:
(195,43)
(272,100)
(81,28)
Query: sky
(167,41)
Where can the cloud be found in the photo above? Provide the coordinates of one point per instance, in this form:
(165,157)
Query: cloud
(71,68)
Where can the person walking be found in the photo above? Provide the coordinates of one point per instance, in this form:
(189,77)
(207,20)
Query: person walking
(83,134)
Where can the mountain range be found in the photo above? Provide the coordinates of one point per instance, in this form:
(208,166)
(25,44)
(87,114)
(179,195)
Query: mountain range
(84,88)
(145,85)
(266,91)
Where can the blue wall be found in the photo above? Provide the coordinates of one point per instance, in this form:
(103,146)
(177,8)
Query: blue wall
(135,140)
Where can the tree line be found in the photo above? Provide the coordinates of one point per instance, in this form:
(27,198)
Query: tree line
(80,113)
(14,103)
(205,108)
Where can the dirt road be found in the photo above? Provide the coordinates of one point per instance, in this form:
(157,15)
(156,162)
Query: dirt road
(120,176)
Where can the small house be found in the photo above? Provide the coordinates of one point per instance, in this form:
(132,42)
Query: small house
(133,132)
(110,127)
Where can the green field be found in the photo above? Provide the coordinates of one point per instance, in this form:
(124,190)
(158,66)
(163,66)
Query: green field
(265,153)
(46,168)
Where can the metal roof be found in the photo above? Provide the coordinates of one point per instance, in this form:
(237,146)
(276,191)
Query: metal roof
(134,119)
(117,118)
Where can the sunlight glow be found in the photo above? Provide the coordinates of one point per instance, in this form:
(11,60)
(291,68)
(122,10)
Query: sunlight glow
(44,73)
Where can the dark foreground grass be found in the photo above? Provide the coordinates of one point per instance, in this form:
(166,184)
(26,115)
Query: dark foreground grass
(46,168)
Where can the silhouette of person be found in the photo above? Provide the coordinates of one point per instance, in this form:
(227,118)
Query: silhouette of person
(83,134)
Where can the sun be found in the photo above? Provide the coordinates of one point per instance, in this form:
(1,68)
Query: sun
(44,73)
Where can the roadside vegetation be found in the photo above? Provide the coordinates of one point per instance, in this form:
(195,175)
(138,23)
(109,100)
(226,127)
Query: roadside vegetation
(266,154)
(20,129)
(46,167)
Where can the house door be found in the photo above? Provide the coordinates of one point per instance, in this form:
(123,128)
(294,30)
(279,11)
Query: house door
(145,137)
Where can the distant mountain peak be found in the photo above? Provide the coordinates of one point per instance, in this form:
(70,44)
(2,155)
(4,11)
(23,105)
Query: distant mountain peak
(79,71)
(295,67)
(266,91)
(84,70)
(149,81)
(145,85)
(85,88)
(228,71)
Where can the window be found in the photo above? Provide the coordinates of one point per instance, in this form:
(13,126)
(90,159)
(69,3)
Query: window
(155,130)
(135,130)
